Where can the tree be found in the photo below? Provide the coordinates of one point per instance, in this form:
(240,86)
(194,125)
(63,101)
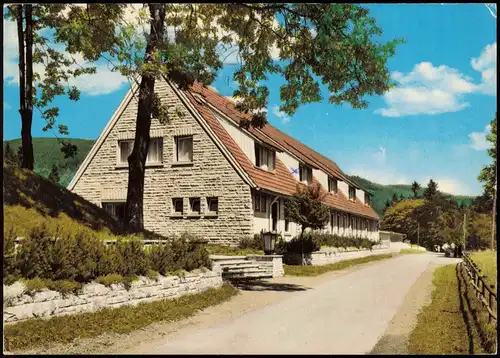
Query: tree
(54,174)
(400,218)
(431,191)
(331,43)
(305,208)
(415,187)
(394,199)
(9,154)
(34,48)
(387,205)
(401,197)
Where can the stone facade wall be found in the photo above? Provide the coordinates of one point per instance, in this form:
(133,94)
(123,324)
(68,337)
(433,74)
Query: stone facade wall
(210,174)
(19,306)
(331,255)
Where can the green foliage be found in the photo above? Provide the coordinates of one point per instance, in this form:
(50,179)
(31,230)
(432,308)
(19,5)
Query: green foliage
(479,227)
(8,153)
(305,207)
(253,243)
(487,174)
(431,190)
(47,155)
(415,188)
(110,279)
(314,241)
(66,329)
(10,270)
(54,174)
(83,257)
(153,275)
(225,250)
(298,245)
(295,270)
(33,286)
(401,217)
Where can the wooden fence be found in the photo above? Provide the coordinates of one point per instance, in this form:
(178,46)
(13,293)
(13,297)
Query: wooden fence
(484,293)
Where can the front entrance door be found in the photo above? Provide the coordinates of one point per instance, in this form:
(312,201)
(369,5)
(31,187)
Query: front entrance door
(274,216)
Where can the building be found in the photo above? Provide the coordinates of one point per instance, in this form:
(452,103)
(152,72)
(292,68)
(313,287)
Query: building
(208,176)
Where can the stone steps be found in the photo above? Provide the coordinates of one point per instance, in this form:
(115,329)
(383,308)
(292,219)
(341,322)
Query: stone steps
(260,274)
(249,268)
(238,267)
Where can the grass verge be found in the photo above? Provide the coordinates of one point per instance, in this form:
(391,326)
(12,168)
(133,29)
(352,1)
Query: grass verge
(411,251)
(65,329)
(217,249)
(295,270)
(444,327)
(487,262)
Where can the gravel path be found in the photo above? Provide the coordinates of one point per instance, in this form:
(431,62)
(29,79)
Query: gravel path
(344,315)
(339,312)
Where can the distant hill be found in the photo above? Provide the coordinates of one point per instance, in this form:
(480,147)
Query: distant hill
(48,152)
(382,193)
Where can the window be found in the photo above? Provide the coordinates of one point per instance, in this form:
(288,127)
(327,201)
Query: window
(332,185)
(194,205)
(260,202)
(184,149)
(305,174)
(367,199)
(287,225)
(213,205)
(352,193)
(338,221)
(352,223)
(155,150)
(178,205)
(333,220)
(264,157)
(126,147)
(117,210)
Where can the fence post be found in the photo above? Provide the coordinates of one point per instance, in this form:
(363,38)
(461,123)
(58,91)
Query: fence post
(489,305)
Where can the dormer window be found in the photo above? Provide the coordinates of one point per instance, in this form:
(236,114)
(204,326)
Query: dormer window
(264,157)
(367,199)
(305,174)
(352,193)
(332,185)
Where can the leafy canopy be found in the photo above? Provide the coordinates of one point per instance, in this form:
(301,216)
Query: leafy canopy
(487,174)
(304,43)
(305,207)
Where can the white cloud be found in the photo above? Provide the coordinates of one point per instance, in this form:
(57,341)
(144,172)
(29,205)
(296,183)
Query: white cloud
(486,63)
(428,89)
(384,176)
(478,139)
(451,186)
(6,106)
(281,115)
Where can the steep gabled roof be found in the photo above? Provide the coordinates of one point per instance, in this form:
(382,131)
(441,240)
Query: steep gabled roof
(281,181)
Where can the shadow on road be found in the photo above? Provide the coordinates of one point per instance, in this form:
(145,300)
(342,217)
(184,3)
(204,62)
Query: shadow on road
(260,285)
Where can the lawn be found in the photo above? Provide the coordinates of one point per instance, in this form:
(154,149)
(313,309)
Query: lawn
(487,262)
(225,250)
(295,270)
(411,251)
(65,329)
(441,328)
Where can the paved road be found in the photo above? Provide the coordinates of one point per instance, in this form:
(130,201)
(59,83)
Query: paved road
(345,315)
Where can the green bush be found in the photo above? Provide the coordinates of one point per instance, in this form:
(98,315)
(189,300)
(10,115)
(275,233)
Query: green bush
(65,287)
(34,286)
(314,241)
(254,243)
(108,280)
(84,257)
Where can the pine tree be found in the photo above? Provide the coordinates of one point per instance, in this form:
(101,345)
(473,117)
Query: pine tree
(431,191)
(415,187)
(394,199)
(401,197)
(54,174)
(9,154)
(19,157)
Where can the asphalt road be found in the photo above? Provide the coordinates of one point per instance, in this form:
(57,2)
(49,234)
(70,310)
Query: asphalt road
(345,315)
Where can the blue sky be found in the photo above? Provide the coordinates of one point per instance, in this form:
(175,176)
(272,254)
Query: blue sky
(432,125)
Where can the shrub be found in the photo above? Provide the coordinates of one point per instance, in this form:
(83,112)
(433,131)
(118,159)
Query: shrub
(9,257)
(152,275)
(254,243)
(35,254)
(133,258)
(34,286)
(109,280)
(296,245)
(65,287)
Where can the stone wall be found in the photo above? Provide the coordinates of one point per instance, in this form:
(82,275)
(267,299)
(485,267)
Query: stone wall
(19,306)
(272,264)
(331,255)
(209,175)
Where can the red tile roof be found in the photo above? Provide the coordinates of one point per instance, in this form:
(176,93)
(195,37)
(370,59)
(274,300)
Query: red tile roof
(281,180)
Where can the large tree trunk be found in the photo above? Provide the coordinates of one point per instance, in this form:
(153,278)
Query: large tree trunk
(26,82)
(137,159)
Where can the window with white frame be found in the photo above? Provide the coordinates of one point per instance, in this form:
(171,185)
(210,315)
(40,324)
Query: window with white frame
(352,193)
(260,202)
(265,158)
(213,205)
(116,210)
(305,174)
(332,185)
(155,150)
(338,221)
(177,206)
(184,149)
(194,205)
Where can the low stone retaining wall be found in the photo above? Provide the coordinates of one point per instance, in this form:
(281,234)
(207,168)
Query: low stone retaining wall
(19,306)
(272,264)
(332,254)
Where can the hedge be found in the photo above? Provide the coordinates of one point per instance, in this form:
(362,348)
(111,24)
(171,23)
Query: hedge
(84,257)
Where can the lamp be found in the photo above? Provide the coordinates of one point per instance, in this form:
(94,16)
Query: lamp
(269,239)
